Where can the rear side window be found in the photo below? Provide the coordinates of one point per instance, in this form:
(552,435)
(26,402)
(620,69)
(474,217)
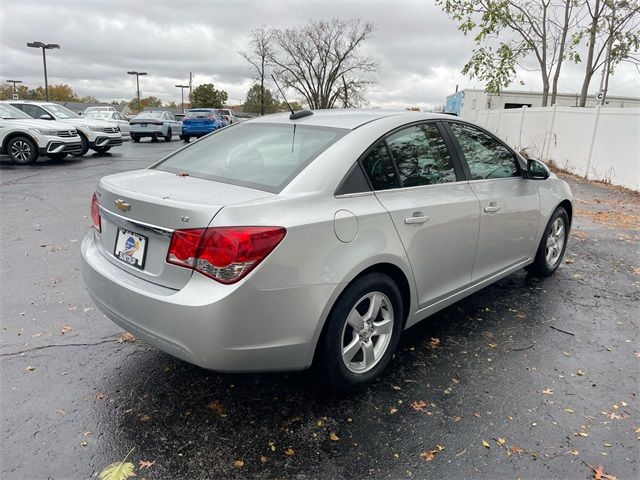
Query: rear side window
(380,169)
(486,157)
(33,111)
(262,156)
(422,156)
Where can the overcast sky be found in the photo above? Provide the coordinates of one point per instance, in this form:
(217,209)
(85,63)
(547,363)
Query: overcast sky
(419,50)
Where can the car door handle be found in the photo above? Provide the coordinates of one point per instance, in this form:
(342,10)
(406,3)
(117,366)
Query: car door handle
(492,208)
(417,218)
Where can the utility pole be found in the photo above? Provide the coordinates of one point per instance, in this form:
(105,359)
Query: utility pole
(44,47)
(182,87)
(15,90)
(138,74)
(190,85)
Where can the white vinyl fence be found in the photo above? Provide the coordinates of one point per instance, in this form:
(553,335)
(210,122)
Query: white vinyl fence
(596,143)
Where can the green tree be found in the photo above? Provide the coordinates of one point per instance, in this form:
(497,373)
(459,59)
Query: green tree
(510,33)
(6,91)
(612,35)
(253,102)
(89,99)
(144,102)
(206,96)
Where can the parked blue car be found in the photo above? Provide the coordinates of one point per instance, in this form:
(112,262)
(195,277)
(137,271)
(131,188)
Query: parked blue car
(200,121)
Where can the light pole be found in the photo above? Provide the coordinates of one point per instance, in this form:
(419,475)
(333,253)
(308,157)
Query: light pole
(15,90)
(182,87)
(44,47)
(138,75)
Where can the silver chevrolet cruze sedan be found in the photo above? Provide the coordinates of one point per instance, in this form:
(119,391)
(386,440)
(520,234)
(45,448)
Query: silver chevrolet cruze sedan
(317,238)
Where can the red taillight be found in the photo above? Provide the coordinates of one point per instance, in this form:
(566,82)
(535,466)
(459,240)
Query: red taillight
(95,213)
(225,254)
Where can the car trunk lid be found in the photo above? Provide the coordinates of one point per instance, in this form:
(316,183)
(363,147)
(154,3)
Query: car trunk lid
(144,208)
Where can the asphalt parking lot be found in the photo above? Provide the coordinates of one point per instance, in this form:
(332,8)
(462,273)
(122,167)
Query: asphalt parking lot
(525,379)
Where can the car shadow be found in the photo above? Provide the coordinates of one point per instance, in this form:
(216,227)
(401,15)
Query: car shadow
(164,406)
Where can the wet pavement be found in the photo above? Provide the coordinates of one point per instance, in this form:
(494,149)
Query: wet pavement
(525,379)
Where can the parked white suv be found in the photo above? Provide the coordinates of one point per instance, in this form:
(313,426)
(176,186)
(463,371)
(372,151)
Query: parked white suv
(24,139)
(97,135)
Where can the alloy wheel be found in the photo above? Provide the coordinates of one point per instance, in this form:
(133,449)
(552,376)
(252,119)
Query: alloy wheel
(21,151)
(367,332)
(555,242)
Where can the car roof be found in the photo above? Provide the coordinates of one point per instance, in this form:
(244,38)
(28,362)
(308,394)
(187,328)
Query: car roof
(346,118)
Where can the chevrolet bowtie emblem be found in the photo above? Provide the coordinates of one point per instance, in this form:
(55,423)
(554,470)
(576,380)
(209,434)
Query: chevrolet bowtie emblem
(122,205)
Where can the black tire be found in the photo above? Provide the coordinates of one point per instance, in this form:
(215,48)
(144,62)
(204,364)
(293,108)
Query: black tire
(169,136)
(186,138)
(154,139)
(333,341)
(135,138)
(102,149)
(57,156)
(22,150)
(543,266)
(85,146)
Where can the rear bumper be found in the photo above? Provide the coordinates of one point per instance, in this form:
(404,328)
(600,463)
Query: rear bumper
(234,328)
(195,130)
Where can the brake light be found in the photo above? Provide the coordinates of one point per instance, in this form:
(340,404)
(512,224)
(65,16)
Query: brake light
(225,254)
(95,213)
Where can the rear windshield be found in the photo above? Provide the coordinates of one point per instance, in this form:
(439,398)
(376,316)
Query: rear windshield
(149,115)
(198,114)
(262,156)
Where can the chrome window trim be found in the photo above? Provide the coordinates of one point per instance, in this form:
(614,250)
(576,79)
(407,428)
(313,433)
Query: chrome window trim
(356,194)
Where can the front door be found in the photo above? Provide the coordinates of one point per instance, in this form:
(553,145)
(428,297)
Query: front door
(434,210)
(509,203)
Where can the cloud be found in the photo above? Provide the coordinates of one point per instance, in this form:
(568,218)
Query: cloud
(419,49)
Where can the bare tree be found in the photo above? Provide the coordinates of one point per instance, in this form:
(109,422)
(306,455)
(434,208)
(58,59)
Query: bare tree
(261,49)
(511,32)
(613,32)
(321,61)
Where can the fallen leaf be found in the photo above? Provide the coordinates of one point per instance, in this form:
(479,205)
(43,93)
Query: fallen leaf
(547,391)
(615,416)
(319,423)
(456,418)
(126,337)
(392,410)
(418,406)
(574,452)
(30,368)
(568,410)
(145,418)
(447,391)
(500,441)
(238,463)
(65,328)
(217,407)
(84,444)
(428,455)
(146,464)
(580,372)
(516,450)
(485,444)
(493,345)
(477,415)
(333,437)
(100,395)
(118,471)
(433,342)
(290,452)
(440,447)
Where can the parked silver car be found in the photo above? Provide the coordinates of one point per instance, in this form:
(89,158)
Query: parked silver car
(156,125)
(278,242)
(111,116)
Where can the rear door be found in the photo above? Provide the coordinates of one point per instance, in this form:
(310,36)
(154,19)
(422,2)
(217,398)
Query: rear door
(434,210)
(509,203)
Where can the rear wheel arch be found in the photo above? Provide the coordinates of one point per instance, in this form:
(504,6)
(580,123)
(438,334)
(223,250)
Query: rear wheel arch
(392,271)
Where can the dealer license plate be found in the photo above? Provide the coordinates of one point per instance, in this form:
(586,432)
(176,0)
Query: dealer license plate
(131,248)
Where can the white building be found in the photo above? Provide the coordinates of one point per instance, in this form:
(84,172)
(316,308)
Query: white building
(465,103)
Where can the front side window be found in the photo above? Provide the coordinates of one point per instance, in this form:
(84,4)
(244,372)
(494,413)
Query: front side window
(486,157)
(379,168)
(421,156)
(262,156)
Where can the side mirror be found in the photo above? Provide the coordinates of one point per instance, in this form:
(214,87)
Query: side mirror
(46,116)
(537,170)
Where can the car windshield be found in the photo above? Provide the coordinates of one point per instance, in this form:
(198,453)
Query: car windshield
(9,112)
(97,114)
(198,114)
(262,156)
(60,111)
(149,115)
